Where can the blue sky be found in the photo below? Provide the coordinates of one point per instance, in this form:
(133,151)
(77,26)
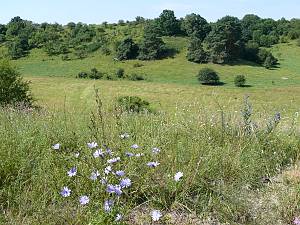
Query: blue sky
(97,11)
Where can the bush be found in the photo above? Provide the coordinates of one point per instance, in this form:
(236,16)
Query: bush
(240,81)
(13,90)
(208,76)
(95,74)
(82,75)
(136,77)
(127,49)
(133,104)
(120,73)
(266,58)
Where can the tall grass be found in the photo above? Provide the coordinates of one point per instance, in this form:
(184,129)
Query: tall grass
(219,157)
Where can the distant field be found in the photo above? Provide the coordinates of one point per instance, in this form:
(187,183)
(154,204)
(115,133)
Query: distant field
(173,70)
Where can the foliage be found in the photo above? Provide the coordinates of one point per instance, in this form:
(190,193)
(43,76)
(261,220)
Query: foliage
(208,76)
(152,46)
(224,41)
(127,49)
(240,81)
(196,52)
(95,74)
(82,75)
(266,58)
(168,24)
(251,51)
(13,89)
(136,77)
(196,26)
(133,104)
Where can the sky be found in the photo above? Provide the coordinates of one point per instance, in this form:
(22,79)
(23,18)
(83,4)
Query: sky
(98,11)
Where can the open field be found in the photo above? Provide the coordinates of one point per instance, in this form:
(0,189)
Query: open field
(233,172)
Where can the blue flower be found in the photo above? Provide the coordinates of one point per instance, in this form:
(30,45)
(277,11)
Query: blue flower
(125,183)
(114,160)
(72,172)
(66,192)
(120,173)
(84,200)
(56,146)
(98,153)
(114,189)
(92,145)
(94,175)
(107,205)
(103,180)
(129,154)
(153,164)
(134,146)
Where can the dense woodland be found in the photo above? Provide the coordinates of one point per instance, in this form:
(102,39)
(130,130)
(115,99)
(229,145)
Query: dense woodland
(225,41)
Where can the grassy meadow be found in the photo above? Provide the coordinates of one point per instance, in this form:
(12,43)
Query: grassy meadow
(236,170)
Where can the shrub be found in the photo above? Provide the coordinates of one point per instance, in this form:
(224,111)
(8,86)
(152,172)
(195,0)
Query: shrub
(13,90)
(133,104)
(136,77)
(239,80)
(127,49)
(95,74)
(82,75)
(120,73)
(208,76)
(266,58)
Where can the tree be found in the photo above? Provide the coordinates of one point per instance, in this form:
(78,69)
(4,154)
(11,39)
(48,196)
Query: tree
(239,80)
(224,41)
(168,23)
(13,90)
(152,46)
(208,76)
(196,52)
(127,49)
(249,25)
(251,51)
(266,58)
(18,47)
(196,26)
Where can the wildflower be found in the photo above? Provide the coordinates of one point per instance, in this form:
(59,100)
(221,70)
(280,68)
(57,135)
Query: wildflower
(155,150)
(114,160)
(120,173)
(98,153)
(107,205)
(92,145)
(76,155)
(84,200)
(296,221)
(114,189)
(107,170)
(72,172)
(134,146)
(155,215)
(125,183)
(129,154)
(118,217)
(66,192)
(56,146)
(124,136)
(178,176)
(153,164)
(94,175)
(139,155)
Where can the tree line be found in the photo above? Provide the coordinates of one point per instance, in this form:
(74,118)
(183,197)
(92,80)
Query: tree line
(224,41)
